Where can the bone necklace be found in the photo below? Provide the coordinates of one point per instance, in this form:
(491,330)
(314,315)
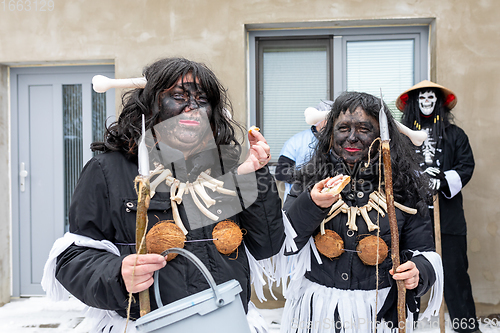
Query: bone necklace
(195,189)
(377,201)
(372,250)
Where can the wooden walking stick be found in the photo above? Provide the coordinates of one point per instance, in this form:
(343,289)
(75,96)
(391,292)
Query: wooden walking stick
(391,212)
(141,222)
(437,237)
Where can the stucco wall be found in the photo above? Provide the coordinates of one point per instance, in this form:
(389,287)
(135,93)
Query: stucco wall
(465,57)
(5,241)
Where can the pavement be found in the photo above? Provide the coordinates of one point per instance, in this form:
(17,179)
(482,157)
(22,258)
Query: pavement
(39,315)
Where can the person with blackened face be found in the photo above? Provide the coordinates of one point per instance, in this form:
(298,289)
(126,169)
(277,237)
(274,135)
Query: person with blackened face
(190,137)
(192,111)
(339,263)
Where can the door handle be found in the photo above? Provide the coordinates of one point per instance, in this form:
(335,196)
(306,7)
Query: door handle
(22,175)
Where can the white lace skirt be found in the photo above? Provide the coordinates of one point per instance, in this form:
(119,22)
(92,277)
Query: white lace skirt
(310,308)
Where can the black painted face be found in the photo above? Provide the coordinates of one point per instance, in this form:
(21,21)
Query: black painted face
(185,113)
(353,134)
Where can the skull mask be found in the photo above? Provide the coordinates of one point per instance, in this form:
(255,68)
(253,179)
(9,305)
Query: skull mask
(427,102)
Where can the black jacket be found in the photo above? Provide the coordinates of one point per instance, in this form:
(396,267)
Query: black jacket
(348,271)
(457,155)
(104,208)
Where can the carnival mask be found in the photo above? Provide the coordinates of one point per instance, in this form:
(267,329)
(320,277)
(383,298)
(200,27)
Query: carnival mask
(426,102)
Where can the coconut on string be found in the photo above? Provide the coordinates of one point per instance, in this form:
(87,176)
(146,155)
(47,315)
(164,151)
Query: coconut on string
(227,236)
(368,247)
(330,244)
(165,235)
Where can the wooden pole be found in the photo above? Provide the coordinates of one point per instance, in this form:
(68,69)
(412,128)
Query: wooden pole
(143,199)
(437,237)
(393,223)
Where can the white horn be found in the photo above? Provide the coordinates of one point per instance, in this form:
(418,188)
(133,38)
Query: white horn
(417,137)
(102,83)
(314,116)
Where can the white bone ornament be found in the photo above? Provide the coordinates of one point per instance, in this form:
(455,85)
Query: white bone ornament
(180,193)
(336,205)
(416,137)
(200,206)
(369,223)
(154,184)
(214,181)
(376,201)
(200,190)
(175,210)
(102,83)
(374,205)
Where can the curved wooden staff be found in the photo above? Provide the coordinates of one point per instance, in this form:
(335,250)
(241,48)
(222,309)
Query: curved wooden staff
(391,212)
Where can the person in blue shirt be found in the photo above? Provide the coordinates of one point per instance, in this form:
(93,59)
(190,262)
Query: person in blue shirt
(298,149)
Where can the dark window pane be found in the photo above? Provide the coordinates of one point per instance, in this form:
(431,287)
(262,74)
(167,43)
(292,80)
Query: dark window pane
(98,117)
(73,141)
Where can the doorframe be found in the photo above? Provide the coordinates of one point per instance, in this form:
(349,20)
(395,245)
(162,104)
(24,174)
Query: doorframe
(106,69)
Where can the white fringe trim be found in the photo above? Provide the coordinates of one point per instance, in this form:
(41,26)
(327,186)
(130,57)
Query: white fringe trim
(107,321)
(55,291)
(293,267)
(99,321)
(255,320)
(436,293)
(290,234)
(279,267)
(310,308)
(262,270)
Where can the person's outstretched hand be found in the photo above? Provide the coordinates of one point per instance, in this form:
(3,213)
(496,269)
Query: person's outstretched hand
(259,154)
(408,272)
(145,267)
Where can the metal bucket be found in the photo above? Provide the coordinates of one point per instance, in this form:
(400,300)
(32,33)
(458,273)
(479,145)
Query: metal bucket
(215,310)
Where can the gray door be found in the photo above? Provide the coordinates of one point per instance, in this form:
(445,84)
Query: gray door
(55,117)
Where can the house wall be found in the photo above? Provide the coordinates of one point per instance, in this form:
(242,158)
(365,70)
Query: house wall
(464,49)
(5,240)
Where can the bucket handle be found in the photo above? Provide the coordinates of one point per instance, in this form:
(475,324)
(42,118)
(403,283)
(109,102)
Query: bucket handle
(197,262)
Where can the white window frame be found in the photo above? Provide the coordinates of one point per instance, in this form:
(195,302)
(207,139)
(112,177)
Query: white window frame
(416,30)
